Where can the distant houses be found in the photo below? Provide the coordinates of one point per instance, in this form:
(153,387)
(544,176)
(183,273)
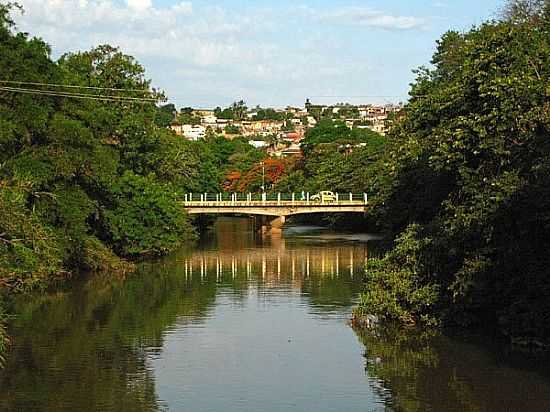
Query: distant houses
(190,132)
(288,125)
(258,144)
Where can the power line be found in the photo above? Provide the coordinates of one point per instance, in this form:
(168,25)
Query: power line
(72,86)
(76,95)
(365,96)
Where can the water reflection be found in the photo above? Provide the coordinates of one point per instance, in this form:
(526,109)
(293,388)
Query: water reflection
(241,323)
(416,370)
(274,264)
(136,344)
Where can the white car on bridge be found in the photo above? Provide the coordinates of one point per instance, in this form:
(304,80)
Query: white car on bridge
(324,197)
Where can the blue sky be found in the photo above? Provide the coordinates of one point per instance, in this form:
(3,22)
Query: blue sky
(272,53)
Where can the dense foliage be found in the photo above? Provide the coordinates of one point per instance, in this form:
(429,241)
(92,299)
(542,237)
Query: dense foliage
(268,114)
(237,111)
(335,131)
(186,116)
(469,166)
(77,173)
(335,157)
(165,115)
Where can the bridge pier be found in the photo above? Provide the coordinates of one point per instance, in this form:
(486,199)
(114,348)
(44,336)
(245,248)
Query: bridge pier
(269,224)
(276,225)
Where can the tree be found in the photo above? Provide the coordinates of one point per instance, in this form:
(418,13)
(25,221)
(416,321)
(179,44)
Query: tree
(64,161)
(232,129)
(525,10)
(165,115)
(328,131)
(145,219)
(467,167)
(186,116)
(239,110)
(268,114)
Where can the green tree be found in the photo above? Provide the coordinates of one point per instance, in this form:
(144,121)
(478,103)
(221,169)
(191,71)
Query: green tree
(165,115)
(268,114)
(63,160)
(468,162)
(237,111)
(187,116)
(145,219)
(329,131)
(232,129)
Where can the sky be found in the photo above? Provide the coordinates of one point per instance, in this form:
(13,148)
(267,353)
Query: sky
(207,53)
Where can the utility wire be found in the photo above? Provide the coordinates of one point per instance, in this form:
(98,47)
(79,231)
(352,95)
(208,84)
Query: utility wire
(76,95)
(72,86)
(352,96)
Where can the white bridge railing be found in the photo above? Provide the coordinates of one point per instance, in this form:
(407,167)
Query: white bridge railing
(271,199)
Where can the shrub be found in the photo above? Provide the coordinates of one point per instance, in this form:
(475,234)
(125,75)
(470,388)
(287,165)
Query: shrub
(394,288)
(30,251)
(146,218)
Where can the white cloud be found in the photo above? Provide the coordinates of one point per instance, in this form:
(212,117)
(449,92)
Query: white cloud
(184,7)
(368,17)
(139,4)
(138,27)
(212,55)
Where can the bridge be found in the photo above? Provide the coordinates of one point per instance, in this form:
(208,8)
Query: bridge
(271,210)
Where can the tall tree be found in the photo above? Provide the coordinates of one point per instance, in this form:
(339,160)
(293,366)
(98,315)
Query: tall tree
(467,185)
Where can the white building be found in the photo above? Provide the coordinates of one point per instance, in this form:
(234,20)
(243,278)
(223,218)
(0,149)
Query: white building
(258,144)
(209,120)
(193,132)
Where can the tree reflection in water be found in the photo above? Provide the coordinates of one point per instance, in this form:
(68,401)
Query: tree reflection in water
(91,347)
(417,370)
(101,344)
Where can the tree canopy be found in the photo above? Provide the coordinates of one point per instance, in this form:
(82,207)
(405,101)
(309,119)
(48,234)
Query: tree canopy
(75,171)
(336,131)
(467,184)
(237,111)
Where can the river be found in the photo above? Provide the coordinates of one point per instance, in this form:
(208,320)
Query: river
(241,323)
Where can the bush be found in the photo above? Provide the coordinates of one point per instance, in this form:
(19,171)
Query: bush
(30,251)
(395,289)
(146,218)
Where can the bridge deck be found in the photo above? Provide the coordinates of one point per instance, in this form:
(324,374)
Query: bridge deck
(271,203)
(273,208)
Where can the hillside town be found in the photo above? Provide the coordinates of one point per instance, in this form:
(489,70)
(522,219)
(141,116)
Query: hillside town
(279,131)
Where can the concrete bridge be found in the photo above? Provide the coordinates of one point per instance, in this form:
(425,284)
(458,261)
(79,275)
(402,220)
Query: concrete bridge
(272,210)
